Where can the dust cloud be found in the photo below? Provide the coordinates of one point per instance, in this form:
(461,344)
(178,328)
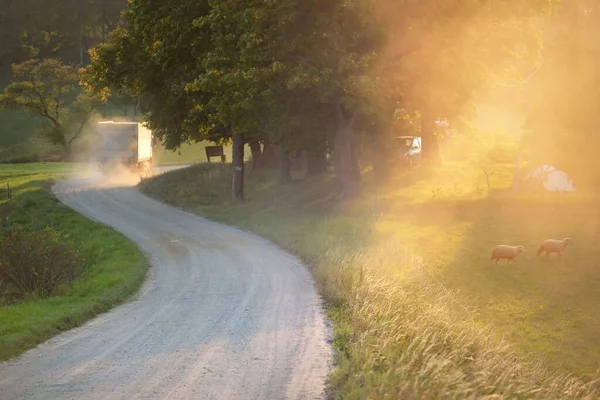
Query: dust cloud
(89,171)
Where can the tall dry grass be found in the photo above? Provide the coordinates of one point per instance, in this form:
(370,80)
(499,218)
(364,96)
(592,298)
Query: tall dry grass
(402,334)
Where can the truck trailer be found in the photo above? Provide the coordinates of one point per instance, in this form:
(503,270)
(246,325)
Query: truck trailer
(126,144)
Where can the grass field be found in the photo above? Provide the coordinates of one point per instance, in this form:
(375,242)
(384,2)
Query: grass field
(115,266)
(418,309)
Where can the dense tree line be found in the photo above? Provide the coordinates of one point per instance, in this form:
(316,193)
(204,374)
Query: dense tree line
(48,28)
(322,77)
(564,96)
(317,76)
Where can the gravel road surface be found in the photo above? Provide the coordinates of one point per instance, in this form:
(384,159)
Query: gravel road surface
(223,314)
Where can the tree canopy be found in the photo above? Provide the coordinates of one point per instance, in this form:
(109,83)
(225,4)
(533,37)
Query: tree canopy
(50,89)
(564,101)
(310,75)
(48,28)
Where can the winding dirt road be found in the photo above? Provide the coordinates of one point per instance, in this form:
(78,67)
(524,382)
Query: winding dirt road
(223,315)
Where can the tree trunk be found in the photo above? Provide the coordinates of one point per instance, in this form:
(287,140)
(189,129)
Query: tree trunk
(355,154)
(103,17)
(316,163)
(256,154)
(80,48)
(379,156)
(285,172)
(342,148)
(429,141)
(237,189)
(67,150)
(516,174)
(270,158)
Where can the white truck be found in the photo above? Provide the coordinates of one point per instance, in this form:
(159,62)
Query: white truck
(126,144)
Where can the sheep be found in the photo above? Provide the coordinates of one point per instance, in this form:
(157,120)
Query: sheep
(554,246)
(506,252)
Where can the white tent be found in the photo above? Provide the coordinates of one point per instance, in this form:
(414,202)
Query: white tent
(552,179)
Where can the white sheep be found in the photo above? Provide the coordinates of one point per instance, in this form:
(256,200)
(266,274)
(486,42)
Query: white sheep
(554,246)
(505,252)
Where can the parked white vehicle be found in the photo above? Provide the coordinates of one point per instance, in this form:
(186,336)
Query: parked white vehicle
(408,148)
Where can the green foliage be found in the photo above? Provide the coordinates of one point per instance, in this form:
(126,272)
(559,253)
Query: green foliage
(40,87)
(48,88)
(153,57)
(486,153)
(406,123)
(47,28)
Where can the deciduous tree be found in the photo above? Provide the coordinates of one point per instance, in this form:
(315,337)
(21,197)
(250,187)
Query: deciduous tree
(438,53)
(45,28)
(563,99)
(51,89)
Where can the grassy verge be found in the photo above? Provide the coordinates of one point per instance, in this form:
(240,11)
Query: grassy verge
(404,269)
(115,266)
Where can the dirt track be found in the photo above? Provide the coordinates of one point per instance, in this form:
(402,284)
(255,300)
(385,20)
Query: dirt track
(224,314)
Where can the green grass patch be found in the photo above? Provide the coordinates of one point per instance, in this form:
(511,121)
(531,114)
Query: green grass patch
(191,153)
(404,268)
(19,139)
(115,267)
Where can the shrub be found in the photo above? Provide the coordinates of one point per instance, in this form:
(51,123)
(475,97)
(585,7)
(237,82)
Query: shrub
(37,262)
(504,152)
